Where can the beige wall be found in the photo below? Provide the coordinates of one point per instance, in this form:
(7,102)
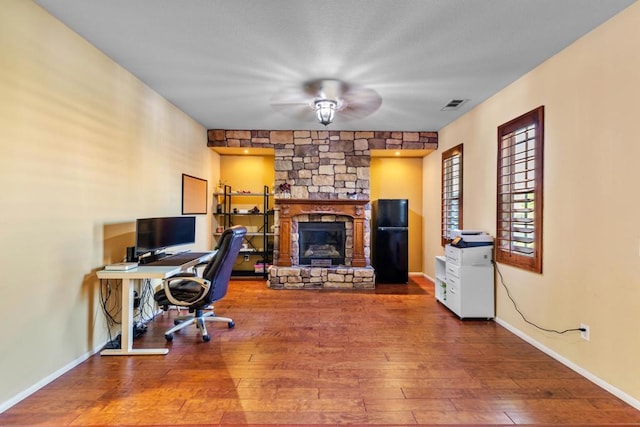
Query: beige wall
(86,149)
(591,226)
(401,178)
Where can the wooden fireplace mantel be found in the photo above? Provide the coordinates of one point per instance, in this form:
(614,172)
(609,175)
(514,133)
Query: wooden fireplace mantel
(289,208)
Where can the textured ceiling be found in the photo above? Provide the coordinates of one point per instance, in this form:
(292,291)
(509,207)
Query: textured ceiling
(222,62)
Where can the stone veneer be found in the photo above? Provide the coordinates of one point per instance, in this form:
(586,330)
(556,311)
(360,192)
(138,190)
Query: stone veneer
(323,165)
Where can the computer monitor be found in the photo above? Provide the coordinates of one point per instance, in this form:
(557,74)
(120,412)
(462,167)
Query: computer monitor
(156,234)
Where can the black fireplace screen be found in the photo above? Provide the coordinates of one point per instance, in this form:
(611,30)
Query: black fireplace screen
(321,243)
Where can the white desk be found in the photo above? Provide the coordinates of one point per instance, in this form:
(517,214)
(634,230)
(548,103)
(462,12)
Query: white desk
(128,278)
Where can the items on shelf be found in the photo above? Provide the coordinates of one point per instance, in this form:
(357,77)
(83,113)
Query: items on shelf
(261,268)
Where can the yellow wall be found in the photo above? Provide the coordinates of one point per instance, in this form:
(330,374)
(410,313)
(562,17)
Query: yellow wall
(401,178)
(252,172)
(86,149)
(248,173)
(591,263)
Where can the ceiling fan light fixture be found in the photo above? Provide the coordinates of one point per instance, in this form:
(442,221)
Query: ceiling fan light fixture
(326,98)
(325,110)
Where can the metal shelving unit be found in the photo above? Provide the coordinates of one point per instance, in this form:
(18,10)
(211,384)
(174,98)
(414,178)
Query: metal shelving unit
(258,246)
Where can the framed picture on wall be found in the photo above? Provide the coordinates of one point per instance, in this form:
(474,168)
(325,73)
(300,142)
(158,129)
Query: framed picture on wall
(194,195)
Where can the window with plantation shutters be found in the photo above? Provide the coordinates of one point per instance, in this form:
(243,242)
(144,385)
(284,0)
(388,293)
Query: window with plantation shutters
(520,173)
(451,192)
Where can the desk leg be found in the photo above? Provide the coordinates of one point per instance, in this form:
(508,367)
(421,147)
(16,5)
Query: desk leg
(126,335)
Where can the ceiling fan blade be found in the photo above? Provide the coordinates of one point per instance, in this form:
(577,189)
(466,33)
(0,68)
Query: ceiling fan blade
(359,102)
(300,112)
(327,88)
(290,96)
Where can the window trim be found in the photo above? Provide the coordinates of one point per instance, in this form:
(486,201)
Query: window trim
(446,155)
(534,262)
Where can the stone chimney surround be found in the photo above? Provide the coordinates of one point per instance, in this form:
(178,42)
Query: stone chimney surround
(327,174)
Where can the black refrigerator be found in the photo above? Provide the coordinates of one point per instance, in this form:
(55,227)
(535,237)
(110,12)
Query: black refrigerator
(390,240)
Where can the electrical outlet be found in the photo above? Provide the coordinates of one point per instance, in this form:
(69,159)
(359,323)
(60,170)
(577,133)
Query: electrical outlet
(585,335)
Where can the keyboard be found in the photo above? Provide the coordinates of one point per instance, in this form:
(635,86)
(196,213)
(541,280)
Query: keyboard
(177,259)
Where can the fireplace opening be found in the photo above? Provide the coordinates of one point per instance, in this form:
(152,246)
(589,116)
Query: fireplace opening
(321,243)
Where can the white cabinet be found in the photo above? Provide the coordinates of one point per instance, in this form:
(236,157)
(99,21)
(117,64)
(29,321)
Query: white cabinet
(440,280)
(464,281)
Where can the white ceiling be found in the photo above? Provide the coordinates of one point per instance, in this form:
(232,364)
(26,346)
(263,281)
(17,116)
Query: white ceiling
(222,61)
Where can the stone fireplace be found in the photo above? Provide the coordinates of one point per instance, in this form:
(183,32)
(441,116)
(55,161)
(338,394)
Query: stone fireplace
(326,174)
(353,270)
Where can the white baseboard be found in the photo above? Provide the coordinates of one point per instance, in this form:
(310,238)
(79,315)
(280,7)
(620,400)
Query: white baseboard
(53,376)
(426,276)
(580,370)
(48,379)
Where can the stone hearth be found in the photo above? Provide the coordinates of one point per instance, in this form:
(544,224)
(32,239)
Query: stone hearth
(306,277)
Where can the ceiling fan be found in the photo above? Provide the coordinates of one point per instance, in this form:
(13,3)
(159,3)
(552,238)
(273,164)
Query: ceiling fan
(325,98)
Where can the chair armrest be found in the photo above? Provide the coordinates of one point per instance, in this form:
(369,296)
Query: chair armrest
(204,284)
(182,275)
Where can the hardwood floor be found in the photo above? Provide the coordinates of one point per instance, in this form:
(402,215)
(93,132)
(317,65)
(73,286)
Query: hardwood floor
(389,357)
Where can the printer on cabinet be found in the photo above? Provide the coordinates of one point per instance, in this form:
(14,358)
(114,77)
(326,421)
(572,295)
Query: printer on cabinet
(470,238)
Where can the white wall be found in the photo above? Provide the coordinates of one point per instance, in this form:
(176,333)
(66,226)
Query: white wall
(85,147)
(591,263)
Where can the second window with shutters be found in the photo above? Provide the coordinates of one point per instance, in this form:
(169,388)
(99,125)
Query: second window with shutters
(519,209)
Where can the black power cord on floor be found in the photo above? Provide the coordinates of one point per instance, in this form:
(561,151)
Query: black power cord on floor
(523,316)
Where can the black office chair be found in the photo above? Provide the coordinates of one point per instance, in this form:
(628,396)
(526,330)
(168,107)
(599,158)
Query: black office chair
(198,293)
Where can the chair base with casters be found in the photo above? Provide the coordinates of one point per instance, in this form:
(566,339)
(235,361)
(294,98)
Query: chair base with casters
(199,319)
(197,294)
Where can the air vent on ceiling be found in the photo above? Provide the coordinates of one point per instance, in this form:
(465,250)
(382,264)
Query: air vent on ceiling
(454,104)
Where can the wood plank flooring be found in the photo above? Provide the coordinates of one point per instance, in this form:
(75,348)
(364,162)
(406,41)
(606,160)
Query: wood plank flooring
(393,356)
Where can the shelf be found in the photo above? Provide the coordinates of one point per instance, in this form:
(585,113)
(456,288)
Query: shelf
(246,273)
(244,213)
(226,199)
(233,194)
(241,213)
(256,234)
